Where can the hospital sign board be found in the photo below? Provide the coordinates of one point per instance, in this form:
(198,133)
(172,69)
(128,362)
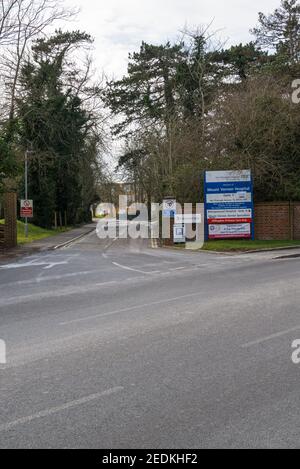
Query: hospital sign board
(229,204)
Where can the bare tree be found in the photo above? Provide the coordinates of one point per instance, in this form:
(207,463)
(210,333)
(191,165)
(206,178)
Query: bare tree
(7,25)
(21,22)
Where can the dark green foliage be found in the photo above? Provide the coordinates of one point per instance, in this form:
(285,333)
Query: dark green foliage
(241,60)
(55,124)
(164,83)
(259,128)
(148,92)
(9,166)
(189,107)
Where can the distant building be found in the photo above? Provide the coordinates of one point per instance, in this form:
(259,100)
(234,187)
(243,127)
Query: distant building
(127,189)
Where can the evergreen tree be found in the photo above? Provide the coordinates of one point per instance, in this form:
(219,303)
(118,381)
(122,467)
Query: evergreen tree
(281,31)
(148,92)
(56,125)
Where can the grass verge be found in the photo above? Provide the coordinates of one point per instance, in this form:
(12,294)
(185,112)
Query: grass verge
(246,245)
(34,232)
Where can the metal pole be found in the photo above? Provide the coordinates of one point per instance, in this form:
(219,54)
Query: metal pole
(26,190)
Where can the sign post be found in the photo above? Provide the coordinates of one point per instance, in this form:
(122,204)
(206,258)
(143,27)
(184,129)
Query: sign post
(26,211)
(27,152)
(229,208)
(169,208)
(26,191)
(169,211)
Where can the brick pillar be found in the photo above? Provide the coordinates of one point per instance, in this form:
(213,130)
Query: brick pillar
(296,207)
(10,215)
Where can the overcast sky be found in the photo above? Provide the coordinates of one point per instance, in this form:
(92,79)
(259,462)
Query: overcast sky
(119,26)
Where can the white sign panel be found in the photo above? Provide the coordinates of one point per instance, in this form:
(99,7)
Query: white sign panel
(242,230)
(169,205)
(26,209)
(236,197)
(179,234)
(234,215)
(188,219)
(228,176)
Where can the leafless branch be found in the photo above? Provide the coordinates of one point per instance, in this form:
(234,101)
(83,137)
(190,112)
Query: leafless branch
(21,22)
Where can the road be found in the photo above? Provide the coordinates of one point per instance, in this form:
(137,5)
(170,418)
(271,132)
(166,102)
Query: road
(116,345)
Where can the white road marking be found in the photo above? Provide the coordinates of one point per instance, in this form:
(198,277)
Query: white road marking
(33,264)
(61,277)
(80,239)
(55,410)
(131,308)
(50,266)
(40,279)
(33,261)
(66,291)
(107,246)
(124,267)
(270,337)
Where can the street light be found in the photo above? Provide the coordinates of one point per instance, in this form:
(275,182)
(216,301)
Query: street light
(27,152)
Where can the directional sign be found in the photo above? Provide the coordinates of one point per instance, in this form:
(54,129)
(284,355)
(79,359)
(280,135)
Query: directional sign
(26,209)
(229,216)
(169,208)
(188,219)
(229,209)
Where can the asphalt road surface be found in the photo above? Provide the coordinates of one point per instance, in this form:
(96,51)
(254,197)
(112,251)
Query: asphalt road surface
(111,344)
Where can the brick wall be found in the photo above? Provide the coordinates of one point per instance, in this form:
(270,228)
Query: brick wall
(277,221)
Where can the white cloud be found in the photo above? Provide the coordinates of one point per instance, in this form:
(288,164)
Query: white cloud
(119,26)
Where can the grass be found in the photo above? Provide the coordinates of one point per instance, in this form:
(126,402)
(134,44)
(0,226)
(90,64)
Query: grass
(34,232)
(246,245)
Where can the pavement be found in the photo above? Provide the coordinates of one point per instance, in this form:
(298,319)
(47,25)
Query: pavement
(111,344)
(47,244)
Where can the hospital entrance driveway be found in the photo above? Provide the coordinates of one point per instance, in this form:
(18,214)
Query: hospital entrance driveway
(111,344)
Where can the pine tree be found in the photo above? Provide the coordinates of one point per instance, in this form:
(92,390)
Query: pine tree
(281,30)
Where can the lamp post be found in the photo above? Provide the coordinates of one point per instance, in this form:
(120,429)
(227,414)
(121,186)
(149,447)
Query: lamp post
(26,190)
(27,152)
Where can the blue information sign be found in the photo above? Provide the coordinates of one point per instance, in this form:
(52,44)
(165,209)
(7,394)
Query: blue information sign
(229,209)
